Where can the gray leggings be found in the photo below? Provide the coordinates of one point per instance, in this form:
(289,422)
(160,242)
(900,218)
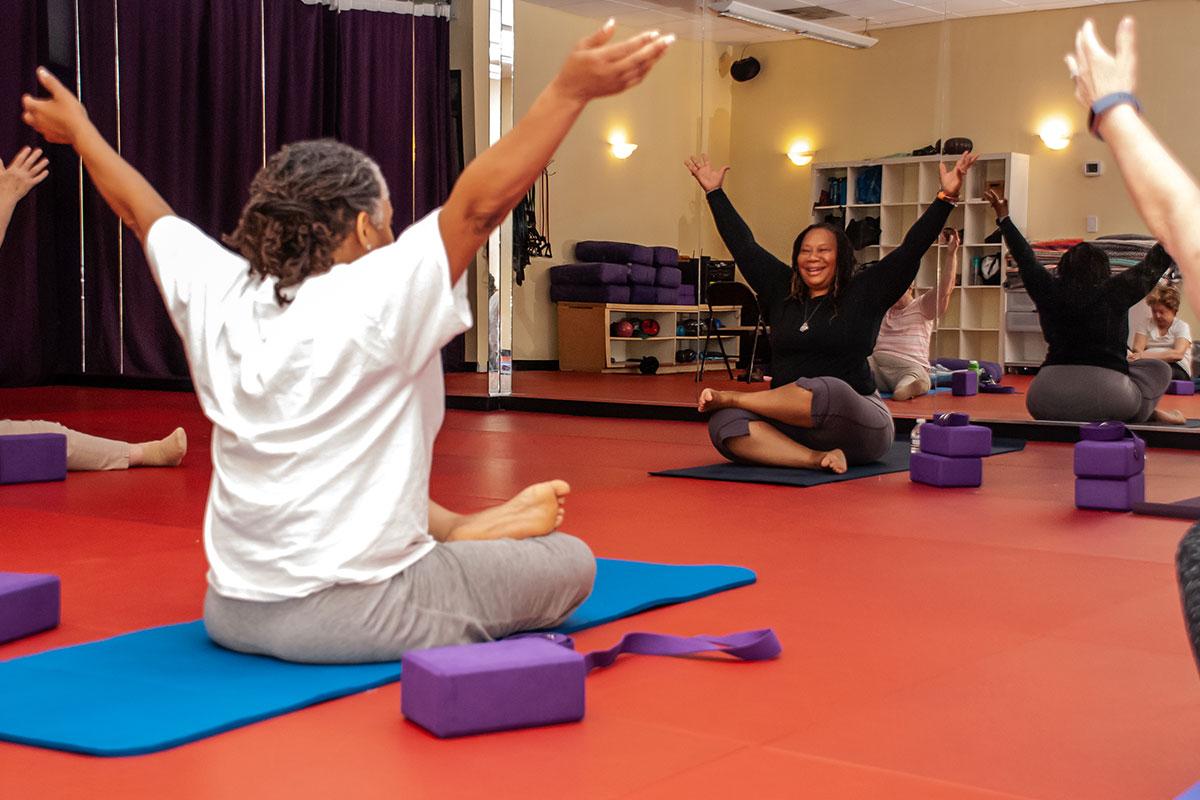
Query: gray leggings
(1078,393)
(459,592)
(859,425)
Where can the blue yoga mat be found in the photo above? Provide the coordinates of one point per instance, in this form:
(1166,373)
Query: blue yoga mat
(163,687)
(1191,794)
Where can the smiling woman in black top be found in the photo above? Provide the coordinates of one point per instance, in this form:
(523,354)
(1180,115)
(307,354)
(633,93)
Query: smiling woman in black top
(1084,312)
(822,411)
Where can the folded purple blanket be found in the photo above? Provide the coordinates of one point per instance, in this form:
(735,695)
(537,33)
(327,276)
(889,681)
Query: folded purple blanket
(589,274)
(614,252)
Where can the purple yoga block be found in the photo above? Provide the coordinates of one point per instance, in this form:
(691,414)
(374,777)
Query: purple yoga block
(495,686)
(1181,387)
(687,294)
(943,470)
(29,603)
(29,457)
(964,383)
(1110,494)
(956,441)
(1120,459)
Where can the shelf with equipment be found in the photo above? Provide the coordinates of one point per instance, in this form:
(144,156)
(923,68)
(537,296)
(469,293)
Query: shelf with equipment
(897,192)
(586,342)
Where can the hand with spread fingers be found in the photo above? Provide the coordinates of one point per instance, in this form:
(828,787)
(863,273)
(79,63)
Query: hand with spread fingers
(998,203)
(598,67)
(709,177)
(1098,73)
(27,169)
(952,179)
(60,117)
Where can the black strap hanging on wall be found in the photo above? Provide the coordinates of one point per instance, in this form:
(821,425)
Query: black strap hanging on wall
(528,244)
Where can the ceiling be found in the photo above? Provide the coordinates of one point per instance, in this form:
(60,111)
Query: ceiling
(685,19)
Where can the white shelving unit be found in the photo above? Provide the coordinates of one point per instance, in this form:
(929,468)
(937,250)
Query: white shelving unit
(977,322)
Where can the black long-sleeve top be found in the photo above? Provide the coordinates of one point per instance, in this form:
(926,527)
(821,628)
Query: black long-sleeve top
(835,345)
(1085,326)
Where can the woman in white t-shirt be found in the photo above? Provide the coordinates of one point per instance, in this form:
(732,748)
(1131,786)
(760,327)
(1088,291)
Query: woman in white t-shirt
(1164,336)
(314,350)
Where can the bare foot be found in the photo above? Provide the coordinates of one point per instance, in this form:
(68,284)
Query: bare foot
(834,461)
(1172,417)
(712,400)
(907,390)
(534,511)
(166,452)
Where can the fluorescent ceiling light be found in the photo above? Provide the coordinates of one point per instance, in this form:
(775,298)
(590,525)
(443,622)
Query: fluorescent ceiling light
(782,22)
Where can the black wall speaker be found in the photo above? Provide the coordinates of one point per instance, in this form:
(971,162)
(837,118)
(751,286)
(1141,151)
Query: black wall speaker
(745,69)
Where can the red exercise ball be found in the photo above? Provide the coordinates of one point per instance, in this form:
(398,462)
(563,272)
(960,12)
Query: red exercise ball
(650,327)
(624,328)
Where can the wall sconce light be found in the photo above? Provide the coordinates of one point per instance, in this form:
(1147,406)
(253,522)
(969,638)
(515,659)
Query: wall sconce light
(800,153)
(622,150)
(1055,133)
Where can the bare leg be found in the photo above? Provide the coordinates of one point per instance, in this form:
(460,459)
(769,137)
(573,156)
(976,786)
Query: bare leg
(534,511)
(789,404)
(166,452)
(766,445)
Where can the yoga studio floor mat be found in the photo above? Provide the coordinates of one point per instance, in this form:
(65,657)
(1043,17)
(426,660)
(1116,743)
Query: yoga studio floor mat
(895,461)
(162,687)
(1180,509)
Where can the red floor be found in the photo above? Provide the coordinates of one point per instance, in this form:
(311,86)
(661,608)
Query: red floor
(990,643)
(682,390)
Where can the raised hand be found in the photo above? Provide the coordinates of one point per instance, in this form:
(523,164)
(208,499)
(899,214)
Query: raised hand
(598,68)
(1096,71)
(952,179)
(998,203)
(950,239)
(25,171)
(709,177)
(60,117)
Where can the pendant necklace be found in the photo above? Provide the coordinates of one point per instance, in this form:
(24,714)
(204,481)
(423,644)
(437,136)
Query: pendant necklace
(809,315)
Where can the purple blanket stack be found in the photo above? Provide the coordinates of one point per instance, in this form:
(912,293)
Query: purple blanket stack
(620,272)
(952,452)
(1109,467)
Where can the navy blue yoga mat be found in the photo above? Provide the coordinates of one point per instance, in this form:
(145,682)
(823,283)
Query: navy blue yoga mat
(895,461)
(163,687)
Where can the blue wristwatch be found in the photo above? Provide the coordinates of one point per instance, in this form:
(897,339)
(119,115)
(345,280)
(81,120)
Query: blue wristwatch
(1109,101)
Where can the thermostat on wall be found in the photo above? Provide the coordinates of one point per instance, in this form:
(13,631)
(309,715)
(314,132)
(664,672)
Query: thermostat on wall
(1093,168)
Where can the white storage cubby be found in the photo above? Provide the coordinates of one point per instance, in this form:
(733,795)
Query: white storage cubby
(975,324)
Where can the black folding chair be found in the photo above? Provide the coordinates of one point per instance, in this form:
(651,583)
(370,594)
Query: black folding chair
(731,293)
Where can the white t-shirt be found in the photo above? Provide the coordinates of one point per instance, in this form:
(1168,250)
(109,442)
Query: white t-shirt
(324,412)
(905,332)
(1178,330)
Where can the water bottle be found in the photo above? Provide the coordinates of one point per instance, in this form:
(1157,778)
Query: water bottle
(914,438)
(974,367)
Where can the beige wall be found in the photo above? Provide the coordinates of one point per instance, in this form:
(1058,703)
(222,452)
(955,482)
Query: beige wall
(649,198)
(994,79)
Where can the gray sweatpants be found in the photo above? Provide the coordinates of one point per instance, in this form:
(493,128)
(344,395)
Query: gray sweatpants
(84,452)
(859,425)
(460,592)
(1079,393)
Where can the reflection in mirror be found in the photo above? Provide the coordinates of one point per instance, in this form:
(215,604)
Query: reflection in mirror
(813,132)
(595,297)
(1059,183)
(500,243)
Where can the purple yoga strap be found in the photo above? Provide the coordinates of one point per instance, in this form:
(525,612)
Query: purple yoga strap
(747,645)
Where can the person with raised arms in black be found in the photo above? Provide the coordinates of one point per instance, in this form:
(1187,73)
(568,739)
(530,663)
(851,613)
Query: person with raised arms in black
(822,411)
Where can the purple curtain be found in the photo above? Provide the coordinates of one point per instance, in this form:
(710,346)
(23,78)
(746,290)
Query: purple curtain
(22,290)
(191,122)
(375,85)
(193,119)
